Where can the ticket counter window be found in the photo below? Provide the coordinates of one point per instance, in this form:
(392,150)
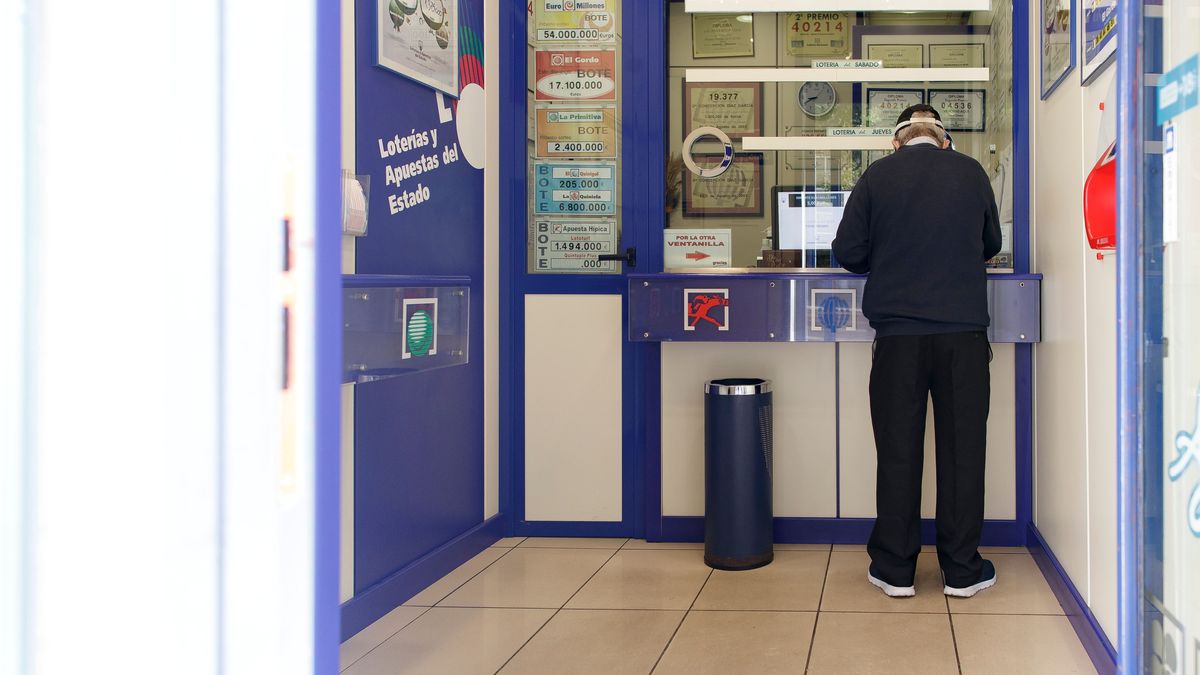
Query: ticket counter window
(774,116)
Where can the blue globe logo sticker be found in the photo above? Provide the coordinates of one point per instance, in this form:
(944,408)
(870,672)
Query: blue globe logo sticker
(420,333)
(834,313)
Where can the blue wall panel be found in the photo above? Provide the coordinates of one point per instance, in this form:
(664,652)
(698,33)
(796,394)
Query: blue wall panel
(418,480)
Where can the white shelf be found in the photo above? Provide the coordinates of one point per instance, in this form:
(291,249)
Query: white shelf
(734,6)
(817,143)
(838,75)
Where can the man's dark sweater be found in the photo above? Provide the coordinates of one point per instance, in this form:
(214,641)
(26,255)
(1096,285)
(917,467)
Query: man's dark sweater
(921,222)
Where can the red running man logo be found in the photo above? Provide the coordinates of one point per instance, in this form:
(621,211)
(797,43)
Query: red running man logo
(701,305)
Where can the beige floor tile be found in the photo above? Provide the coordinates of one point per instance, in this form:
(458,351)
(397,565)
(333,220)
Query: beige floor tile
(1019,644)
(530,577)
(376,634)
(449,583)
(739,642)
(642,544)
(572,542)
(598,641)
(847,588)
(645,580)
(883,643)
(1020,589)
(991,550)
(454,640)
(845,548)
(791,582)
(508,542)
(801,547)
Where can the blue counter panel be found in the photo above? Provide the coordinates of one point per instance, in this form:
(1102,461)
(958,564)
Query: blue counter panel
(795,308)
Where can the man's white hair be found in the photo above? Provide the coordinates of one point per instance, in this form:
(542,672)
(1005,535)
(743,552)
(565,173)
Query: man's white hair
(922,124)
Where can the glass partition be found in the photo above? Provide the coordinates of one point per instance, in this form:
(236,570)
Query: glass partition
(774,116)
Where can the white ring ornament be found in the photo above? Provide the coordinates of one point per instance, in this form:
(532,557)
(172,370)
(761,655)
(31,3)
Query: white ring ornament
(697,134)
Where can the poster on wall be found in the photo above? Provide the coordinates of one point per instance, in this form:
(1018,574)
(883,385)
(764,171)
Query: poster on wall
(1099,37)
(574,21)
(1057,43)
(419,40)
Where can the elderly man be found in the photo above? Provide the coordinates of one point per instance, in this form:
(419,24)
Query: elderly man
(922,223)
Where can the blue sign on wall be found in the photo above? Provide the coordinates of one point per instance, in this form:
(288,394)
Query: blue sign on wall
(1179,89)
(575,189)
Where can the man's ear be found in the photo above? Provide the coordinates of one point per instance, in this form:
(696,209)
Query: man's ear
(895,144)
(946,144)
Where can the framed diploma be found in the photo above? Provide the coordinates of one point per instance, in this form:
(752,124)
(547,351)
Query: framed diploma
(419,40)
(885,105)
(961,110)
(722,35)
(735,193)
(957,56)
(897,56)
(576,132)
(820,35)
(1057,43)
(735,107)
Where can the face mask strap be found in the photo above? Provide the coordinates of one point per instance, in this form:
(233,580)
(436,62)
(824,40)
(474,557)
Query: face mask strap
(919,120)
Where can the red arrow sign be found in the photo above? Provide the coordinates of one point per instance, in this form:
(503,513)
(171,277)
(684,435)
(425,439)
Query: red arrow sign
(697,256)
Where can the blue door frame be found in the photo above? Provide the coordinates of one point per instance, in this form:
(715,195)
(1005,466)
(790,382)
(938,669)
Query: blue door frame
(644,149)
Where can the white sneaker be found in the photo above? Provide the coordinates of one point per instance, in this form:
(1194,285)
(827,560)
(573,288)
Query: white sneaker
(987,579)
(890,590)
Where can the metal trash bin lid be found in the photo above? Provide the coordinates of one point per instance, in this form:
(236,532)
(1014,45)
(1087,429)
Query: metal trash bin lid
(736,386)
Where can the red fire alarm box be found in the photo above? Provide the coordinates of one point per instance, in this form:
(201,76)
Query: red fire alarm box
(1100,201)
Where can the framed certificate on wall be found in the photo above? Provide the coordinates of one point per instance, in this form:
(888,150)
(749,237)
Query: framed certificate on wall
(957,56)
(722,35)
(733,107)
(897,56)
(819,35)
(961,110)
(885,105)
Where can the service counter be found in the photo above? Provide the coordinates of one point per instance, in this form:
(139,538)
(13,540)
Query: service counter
(795,307)
(746,325)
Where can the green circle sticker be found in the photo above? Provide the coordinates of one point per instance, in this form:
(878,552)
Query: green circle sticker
(420,333)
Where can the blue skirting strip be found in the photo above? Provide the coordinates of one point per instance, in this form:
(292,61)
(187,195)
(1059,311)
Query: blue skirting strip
(1098,647)
(370,605)
(839,531)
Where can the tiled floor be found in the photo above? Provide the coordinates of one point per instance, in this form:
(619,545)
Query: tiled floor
(545,605)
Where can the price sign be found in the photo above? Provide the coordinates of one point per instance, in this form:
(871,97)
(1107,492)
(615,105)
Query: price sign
(576,132)
(573,245)
(961,110)
(574,21)
(819,34)
(575,189)
(575,75)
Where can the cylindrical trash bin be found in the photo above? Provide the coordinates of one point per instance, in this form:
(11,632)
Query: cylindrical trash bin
(738,528)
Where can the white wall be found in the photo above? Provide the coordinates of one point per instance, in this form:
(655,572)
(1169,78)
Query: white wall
(1075,376)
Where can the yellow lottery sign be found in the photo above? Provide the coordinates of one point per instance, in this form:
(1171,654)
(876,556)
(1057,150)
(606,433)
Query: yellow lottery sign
(574,21)
(576,132)
(819,34)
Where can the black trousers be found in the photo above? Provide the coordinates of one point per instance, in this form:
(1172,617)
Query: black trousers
(905,370)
